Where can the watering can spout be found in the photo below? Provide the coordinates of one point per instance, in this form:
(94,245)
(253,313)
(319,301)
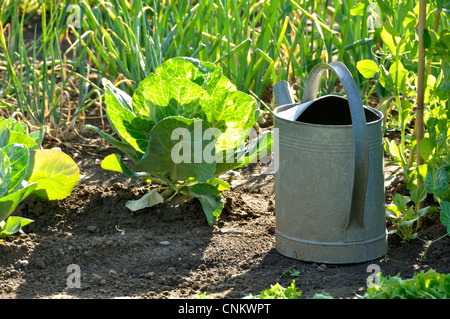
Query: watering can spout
(283,94)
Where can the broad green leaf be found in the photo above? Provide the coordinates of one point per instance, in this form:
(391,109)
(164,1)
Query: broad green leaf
(400,201)
(18,156)
(323,295)
(390,37)
(223,85)
(392,211)
(122,98)
(14,126)
(22,138)
(5,173)
(174,98)
(431,84)
(358,9)
(128,126)
(221,185)
(37,137)
(397,74)
(205,74)
(418,194)
(443,6)
(250,152)
(427,39)
(178,149)
(407,114)
(234,114)
(174,71)
(386,7)
(12,132)
(9,202)
(55,172)
(438,183)
(136,125)
(445,215)
(148,200)
(8,126)
(410,215)
(392,149)
(386,79)
(367,68)
(437,129)
(426,149)
(407,222)
(13,224)
(429,285)
(416,174)
(210,198)
(278,292)
(115,163)
(141,95)
(429,209)
(410,20)
(4,132)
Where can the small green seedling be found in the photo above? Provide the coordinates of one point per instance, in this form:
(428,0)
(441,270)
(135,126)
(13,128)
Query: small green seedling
(290,273)
(405,216)
(278,292)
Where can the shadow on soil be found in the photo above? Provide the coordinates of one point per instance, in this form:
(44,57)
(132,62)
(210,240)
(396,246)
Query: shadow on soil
(169,251)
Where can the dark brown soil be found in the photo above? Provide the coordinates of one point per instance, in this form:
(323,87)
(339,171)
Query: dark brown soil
(169,251)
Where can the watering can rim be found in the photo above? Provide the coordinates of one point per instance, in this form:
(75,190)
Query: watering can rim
(378,113)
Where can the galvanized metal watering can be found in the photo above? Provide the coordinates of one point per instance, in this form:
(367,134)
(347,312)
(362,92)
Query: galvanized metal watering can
(329,187)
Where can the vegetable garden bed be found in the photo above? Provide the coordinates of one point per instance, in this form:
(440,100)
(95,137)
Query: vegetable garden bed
(91,245)
(169,251)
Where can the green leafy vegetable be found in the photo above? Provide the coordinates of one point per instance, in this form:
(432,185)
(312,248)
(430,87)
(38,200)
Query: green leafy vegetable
(185,125)
(278,292)
(26,169)
(176,149)
(405,217)
(423,285)
(12,225)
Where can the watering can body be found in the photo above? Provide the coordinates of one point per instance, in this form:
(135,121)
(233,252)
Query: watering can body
(329,187)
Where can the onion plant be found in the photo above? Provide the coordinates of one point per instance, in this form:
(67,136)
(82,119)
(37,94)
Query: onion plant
(36,78)
(255,43)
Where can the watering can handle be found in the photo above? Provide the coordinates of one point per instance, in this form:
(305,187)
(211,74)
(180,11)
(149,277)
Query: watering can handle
(361,167)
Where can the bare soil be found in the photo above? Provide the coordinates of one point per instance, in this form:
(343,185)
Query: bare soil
(169,251)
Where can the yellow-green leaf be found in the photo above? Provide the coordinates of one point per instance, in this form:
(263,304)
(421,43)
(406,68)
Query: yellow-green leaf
(55,172)
(367,68)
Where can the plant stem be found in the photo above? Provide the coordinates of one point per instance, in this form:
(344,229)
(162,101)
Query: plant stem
(437,18)
(421,84)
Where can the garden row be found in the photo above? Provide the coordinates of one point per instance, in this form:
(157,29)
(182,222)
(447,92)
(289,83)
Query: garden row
(163,65)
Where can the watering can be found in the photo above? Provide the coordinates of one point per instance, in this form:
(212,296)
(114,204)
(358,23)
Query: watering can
(329,187)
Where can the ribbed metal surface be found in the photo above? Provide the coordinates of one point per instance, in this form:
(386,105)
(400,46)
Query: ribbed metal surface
(329,186)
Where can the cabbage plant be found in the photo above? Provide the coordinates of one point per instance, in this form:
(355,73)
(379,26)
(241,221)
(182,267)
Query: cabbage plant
(27,169)
(184,126)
